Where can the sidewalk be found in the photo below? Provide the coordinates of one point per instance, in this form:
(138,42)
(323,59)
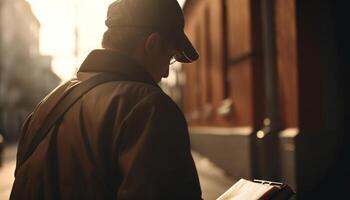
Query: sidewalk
(213,180)
(7,171)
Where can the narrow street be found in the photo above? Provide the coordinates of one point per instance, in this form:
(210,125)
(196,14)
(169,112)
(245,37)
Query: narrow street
(7,170)
(213,180)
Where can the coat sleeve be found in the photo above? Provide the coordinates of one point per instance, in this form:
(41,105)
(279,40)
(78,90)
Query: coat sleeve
(154,159)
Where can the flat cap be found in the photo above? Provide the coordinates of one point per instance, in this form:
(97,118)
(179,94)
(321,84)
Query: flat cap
(159,15)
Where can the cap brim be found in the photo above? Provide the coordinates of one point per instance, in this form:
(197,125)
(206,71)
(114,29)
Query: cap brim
(187,52)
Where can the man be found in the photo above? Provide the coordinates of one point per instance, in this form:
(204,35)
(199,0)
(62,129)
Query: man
(122,139)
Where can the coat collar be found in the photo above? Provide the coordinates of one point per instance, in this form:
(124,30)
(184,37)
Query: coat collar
(102,60)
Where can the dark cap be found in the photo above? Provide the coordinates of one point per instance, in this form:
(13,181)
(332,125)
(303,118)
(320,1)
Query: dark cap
(160,15)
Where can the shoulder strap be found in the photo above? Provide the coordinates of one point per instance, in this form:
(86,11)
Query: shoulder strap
(62,107)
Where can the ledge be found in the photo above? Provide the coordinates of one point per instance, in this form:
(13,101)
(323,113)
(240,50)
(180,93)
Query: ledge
(243,130)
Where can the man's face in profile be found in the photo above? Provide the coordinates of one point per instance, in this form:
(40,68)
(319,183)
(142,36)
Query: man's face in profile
(160,54)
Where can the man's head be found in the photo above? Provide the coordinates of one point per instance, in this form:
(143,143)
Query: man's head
(150,31)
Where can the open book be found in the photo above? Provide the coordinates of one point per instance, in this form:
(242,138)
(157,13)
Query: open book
(257,190)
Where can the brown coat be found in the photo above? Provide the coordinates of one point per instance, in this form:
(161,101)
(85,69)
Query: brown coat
(121,140)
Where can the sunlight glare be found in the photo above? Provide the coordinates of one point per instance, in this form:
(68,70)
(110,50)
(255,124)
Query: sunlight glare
(58,19)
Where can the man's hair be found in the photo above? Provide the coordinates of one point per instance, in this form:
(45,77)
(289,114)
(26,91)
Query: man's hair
(127,39)
(124,39)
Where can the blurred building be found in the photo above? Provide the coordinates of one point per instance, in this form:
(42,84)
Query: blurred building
(266,98)
(25,74)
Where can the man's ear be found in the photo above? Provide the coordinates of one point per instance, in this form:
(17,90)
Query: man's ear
(152,44)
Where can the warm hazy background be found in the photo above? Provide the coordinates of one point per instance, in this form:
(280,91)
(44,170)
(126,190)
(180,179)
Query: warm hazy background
(69,30)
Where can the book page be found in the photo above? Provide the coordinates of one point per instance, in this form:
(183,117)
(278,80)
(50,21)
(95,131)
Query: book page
(246,190)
